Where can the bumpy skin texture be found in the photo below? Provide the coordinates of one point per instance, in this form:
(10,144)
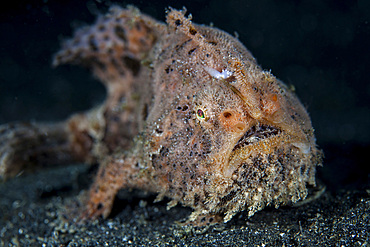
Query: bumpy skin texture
(189,115)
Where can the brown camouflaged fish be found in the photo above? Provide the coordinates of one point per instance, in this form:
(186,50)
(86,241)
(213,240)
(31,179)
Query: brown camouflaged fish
(189,115)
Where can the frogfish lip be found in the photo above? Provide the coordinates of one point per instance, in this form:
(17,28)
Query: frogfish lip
(256,133)
(244,147)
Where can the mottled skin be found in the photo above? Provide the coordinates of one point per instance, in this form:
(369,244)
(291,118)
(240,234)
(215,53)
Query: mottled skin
(189,115)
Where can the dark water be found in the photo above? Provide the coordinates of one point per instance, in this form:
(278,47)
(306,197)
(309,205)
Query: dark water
(320,47)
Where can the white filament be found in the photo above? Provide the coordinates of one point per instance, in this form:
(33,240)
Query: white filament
(218,75)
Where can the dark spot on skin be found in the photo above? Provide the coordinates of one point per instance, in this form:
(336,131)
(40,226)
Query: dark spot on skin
(143,42)
(100,206)
(228,197)
(92,43)
(145,112)
(164,151)
(115,118)
(196,199)
(212,42)
(293,116)
(115,64)
(227,114)
(167,69)
(181,46)
(191,51)
(110,51)
(159,131)
(120,32)
(177,22)
(118,66)
(192,31)
(138,26)
(101,28)
(132,64)
(99,64)
(154,157)
(102,173)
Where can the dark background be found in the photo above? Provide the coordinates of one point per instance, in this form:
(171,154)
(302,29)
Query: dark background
(320,47)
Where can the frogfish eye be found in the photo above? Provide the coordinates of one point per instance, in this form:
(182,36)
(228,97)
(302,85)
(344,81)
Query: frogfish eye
(200,114)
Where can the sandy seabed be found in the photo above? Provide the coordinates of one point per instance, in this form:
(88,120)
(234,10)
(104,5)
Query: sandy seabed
(31,205)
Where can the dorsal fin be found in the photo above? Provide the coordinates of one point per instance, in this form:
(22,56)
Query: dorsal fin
(113,46)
